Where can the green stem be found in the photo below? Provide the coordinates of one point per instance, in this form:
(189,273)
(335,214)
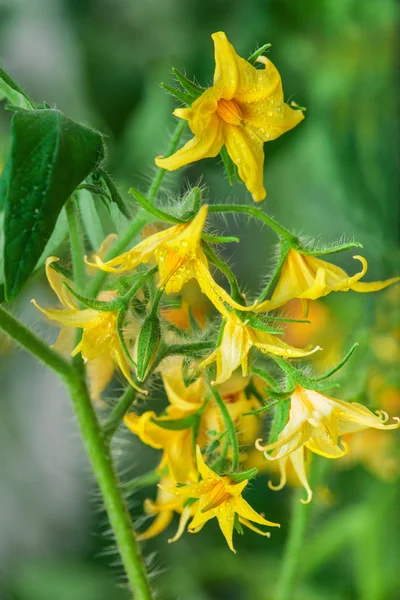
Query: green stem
(142,218)
(223,267)
(229,426)
(26,338)
(254,212)
(155,185)
(76,242)
(295,541)
(96,448)
(115,417)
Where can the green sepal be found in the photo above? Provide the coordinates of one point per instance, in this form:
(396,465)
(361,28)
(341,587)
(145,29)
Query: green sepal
(237,525)
(256,323)
(286,319)
(145,480)
(280,420)
(239,477)
(114,193)
(182,96)
(228,164)
(189,86)
(189,502)
(262,409)
(96,304)
(67,273)
(220,239)
(193,323)
(315,251)
(283,395)
(10,90)
(339,365)
(265,376)
(153,210)
(97,190)
(191,204)
(147,344)
(120,327)
(175,424)
(253,57)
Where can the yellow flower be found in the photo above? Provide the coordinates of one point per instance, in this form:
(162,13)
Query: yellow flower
(222,498)
(243,109)
(237,340)
(177,444)
(99,338)
(308,278)
(179,257)
(317,422)
(164,508)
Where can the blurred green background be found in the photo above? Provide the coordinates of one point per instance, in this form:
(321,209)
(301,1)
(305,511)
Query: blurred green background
(101,62)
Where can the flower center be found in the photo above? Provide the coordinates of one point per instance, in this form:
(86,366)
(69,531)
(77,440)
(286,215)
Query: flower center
(230,112)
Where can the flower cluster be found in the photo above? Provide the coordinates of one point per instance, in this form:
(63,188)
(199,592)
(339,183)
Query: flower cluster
(163,315)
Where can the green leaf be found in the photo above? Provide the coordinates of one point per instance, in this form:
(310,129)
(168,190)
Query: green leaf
(175,424)
(11,91)
(50,156)
(4,179)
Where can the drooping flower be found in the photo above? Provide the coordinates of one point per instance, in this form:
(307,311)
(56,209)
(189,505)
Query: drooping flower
(317,422)
(177,444)
(237,339)
(306,277)
(99,337)
(164,508)
(179,257)
(243,109)
(220,497)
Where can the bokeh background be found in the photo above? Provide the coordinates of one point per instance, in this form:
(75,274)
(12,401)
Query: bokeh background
(101,62)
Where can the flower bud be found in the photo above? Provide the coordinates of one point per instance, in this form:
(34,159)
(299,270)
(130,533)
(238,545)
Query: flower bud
(146,345)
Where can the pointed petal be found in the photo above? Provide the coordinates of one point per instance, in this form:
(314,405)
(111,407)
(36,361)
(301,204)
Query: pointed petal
(207,145)
(244,509)
(282,467)
(203,469)
(71,318)
(185,516)
(373,286)
(161,522)
(268,343)
(56,281)
(297,459)
(250,525)
(182,113)
(100,372)
(225,515)
(269,122)
(246,150)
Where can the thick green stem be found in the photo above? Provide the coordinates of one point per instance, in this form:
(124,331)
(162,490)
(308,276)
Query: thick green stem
(76,242)
(254,212)
(229,426)
(142,218)
(96,448)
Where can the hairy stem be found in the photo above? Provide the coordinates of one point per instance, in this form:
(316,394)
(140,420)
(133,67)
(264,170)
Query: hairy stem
(176,136)
(284,251)
(254,212)
(96,448)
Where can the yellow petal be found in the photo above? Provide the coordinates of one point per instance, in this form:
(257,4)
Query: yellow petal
(100,372)
(226,74)
(161,522)
(373,286)
(269,122)
(250,525)
(246,150)
(56,281)
(297,459)
(185,516)
(282,462)
(182,113)
(147,431)
(272,344)
(226,517)
(244,509)
(203,469)
(207,145)
(121,360)
(71,318)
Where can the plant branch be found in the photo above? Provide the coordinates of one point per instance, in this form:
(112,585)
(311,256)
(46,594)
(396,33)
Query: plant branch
(229,426)
(115,417)
(76,242)
(254,212)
